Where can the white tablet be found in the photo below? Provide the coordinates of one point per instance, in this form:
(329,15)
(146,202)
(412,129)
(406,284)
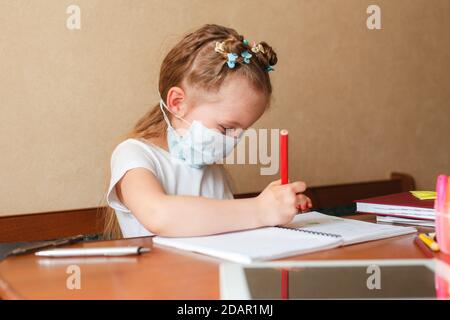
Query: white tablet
(338,279)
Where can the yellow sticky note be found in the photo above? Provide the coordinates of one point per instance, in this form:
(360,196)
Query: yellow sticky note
(424,195)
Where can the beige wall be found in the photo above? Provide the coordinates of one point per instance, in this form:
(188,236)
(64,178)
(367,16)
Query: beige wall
(358,103)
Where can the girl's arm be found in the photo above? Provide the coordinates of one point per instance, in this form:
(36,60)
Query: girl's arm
(179,216)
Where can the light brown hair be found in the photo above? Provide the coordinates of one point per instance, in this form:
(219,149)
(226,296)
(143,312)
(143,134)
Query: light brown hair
(194,61)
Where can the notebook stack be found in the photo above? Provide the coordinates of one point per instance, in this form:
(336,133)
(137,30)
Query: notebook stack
(402,208)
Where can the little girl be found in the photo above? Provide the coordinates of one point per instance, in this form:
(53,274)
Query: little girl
(164,180)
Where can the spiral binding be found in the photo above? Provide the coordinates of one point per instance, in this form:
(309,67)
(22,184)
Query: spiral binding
(314,232)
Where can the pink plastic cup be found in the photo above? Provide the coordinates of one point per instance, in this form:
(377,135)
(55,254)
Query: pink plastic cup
(443,231)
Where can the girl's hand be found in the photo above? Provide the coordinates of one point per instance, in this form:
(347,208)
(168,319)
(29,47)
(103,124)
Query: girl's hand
(278,204)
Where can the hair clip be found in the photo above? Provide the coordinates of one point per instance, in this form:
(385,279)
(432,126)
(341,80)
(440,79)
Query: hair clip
(245,42)
(231,59)
(219,47)
(269,68)
(246,55)
(258,48)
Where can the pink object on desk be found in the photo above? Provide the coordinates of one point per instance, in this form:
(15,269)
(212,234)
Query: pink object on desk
(442,214)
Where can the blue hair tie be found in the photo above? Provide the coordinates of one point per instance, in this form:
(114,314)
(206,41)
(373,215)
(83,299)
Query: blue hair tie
(246,55)
(231,59)
(269,68)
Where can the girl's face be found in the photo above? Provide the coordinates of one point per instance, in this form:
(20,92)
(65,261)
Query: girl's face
(236,105)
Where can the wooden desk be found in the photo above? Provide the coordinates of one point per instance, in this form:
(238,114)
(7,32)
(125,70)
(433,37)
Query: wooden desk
(162,274)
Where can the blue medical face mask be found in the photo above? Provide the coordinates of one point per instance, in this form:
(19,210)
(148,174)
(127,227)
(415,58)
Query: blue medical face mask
(198,145)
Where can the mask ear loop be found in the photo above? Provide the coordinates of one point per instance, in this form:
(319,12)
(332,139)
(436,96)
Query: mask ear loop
(162,105)
(164,113)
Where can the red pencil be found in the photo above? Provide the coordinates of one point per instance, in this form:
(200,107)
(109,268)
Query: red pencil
(284,180)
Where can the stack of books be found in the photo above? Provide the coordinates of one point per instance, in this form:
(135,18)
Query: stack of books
(403,208)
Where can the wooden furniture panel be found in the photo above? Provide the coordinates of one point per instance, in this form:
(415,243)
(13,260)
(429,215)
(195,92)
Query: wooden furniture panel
(51,225)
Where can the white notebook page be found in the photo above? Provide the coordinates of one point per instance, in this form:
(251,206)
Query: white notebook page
(253,245)
(352,231)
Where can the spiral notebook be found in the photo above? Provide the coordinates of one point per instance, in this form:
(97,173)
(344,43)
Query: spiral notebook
(308,232)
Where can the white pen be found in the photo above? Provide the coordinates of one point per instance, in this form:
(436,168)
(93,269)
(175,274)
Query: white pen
(87,252)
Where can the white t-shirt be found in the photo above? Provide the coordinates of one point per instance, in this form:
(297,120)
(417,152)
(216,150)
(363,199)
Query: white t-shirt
(176,178)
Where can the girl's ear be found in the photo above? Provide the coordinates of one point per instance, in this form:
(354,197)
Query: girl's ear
(176,101)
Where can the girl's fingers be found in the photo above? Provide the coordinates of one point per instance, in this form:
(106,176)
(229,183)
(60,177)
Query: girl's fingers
(298,186)
(309,202)
(304,209)
(275,183)
(302,199)
(303,202)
